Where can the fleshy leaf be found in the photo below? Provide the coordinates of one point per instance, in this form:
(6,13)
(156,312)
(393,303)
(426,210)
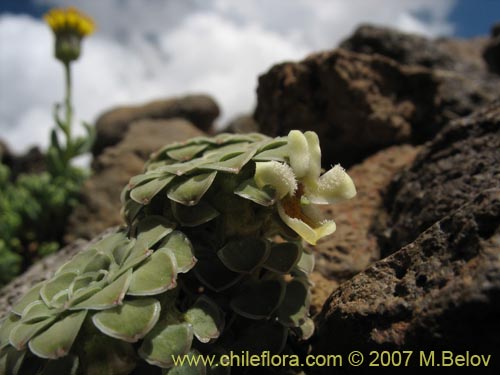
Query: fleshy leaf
(306,262)
(260,337)
(152,229)
(67,365)
(58,283)
(244,256)
(109,296)
(6,326)
(23,332)
(258,300)
(11,361)
(306,329)
(215,275)
(190,191)
(100,261)
(165,341)
(32,295)
(129,322)
(192,216)
(283,257)
(187,152)
(232,165)
(36,311)
(157,275)
(77,263)
(182,249)
(264,196)
(295,306)
(144,193)
(207,319)
(57,340)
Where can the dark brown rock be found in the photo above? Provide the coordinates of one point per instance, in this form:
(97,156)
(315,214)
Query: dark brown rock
(440,292)
(356,103)
(461,161)
(457,64)
(100,207)
(353,247)
(492,50)
(111,127)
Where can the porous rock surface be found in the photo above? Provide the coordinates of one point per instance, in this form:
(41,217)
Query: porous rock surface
(112,126)
(100,197)
(441,292)
(461,161)
(353,246)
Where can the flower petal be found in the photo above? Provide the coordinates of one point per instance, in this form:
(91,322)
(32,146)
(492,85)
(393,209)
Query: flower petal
(278,175)
(314,168)
(333,186)
(309,234)
(298,153)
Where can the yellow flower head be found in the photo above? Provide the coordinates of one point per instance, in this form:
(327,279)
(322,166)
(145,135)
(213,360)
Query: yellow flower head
(70,26)
(69,20)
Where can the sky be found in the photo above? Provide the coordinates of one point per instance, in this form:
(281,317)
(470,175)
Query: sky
(152,49)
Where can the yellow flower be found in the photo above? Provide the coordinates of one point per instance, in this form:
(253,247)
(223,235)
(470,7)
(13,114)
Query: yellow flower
(300,186)
(69,20)
(69,26)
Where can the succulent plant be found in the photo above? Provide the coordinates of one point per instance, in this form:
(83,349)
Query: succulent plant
(211,261)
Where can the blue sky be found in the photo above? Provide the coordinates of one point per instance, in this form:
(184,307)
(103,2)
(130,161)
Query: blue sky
(151,49)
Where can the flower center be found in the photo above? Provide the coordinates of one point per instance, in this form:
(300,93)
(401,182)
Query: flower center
(292,206)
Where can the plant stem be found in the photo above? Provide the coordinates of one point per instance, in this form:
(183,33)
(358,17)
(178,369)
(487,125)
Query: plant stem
(67,102)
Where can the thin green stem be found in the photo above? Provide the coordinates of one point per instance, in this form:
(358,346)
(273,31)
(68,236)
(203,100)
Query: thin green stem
(67,102)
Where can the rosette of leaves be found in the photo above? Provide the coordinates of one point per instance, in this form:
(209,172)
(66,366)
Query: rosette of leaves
(211,262)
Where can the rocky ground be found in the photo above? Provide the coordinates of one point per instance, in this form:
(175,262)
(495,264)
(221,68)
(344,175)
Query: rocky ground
(415,261)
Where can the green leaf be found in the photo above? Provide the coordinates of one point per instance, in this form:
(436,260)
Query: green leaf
(57,284)
(6,326)
(190,191)
(109,296)
(259,299)
(23,332)
(215,275)
(244,256)
(166,341)
(207,319)
(283,257)
(306,329)
(306,262)
(195,215)
(187,152)
(121,253)
(11,361)
(157,275)
(182,249)
(56,341)
(37,311)
(152,229)
(260,337)
(276,154)
(129,322)
(265,196)
(100,261)
(77,263)
(67,365)
(232,165)
(294,309)
(144,193)
(32,295)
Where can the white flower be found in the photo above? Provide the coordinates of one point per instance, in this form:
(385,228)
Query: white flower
(300,186)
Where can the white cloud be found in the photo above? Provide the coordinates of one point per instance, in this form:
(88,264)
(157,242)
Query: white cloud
(150,49)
